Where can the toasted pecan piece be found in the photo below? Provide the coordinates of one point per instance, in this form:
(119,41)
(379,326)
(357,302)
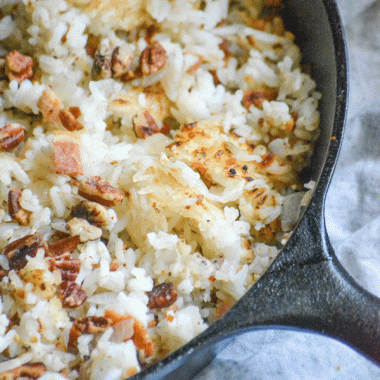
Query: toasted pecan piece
(121,61)
(162,295)
(69,268)
(152,59)
(86,325)
(71,294)
(18,66)
(101,68)
(69,119)
(144,125)
(29,371)
(62,246)
(49,105)
(97,189)
(17,251)
(84,230)
(93,212)
(67,157)
(11,136)
(14,208)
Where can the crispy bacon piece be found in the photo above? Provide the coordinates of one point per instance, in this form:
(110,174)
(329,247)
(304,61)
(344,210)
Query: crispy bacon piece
(18,66)
(11,136)
(67,154)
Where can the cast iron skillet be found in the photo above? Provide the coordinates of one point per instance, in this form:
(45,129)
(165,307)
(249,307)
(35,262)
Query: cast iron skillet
(305,287)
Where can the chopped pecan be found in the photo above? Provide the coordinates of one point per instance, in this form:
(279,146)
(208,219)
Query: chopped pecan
(86,325)
(29,371)
(18,66)
(83,229)
(67,153)
(14,208)
(144,125)
(97,189)
(69,121)
(162,295)
(93,212)
(62,246)
(121,61)
(101,68)
(71,294)
(11,136)
(19,249)
(49,105)
(153,58)
(69,268)
(257,97)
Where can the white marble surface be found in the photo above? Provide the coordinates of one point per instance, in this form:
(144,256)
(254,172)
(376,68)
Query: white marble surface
(353,223)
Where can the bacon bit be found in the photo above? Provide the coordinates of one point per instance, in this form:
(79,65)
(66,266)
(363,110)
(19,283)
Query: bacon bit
(215,77)
(165,129)
(225,48)
(114,266)
(49,105)
(151,30)
(71,295)
(18,66)
(162,295)
(196,65)
(222,308)
(153,58)
(92,45)
(97,189)
(199,199)
(131,371)
(268,159)
(69,121)
(198,166)
(141,339)
(144,125)
(29,371)
(212,279)
(115,317)
(62,246)
(257,97)
(14,208)
(17,251)
(67,153)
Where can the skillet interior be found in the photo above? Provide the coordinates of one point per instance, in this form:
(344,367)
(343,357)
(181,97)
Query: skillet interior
(297,275)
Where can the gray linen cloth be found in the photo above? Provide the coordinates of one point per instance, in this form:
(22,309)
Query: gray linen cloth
(353,224)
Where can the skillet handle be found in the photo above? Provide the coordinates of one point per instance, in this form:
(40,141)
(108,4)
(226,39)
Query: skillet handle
(307,287)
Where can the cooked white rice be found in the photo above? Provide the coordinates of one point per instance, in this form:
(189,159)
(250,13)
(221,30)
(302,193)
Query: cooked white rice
(197,118)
